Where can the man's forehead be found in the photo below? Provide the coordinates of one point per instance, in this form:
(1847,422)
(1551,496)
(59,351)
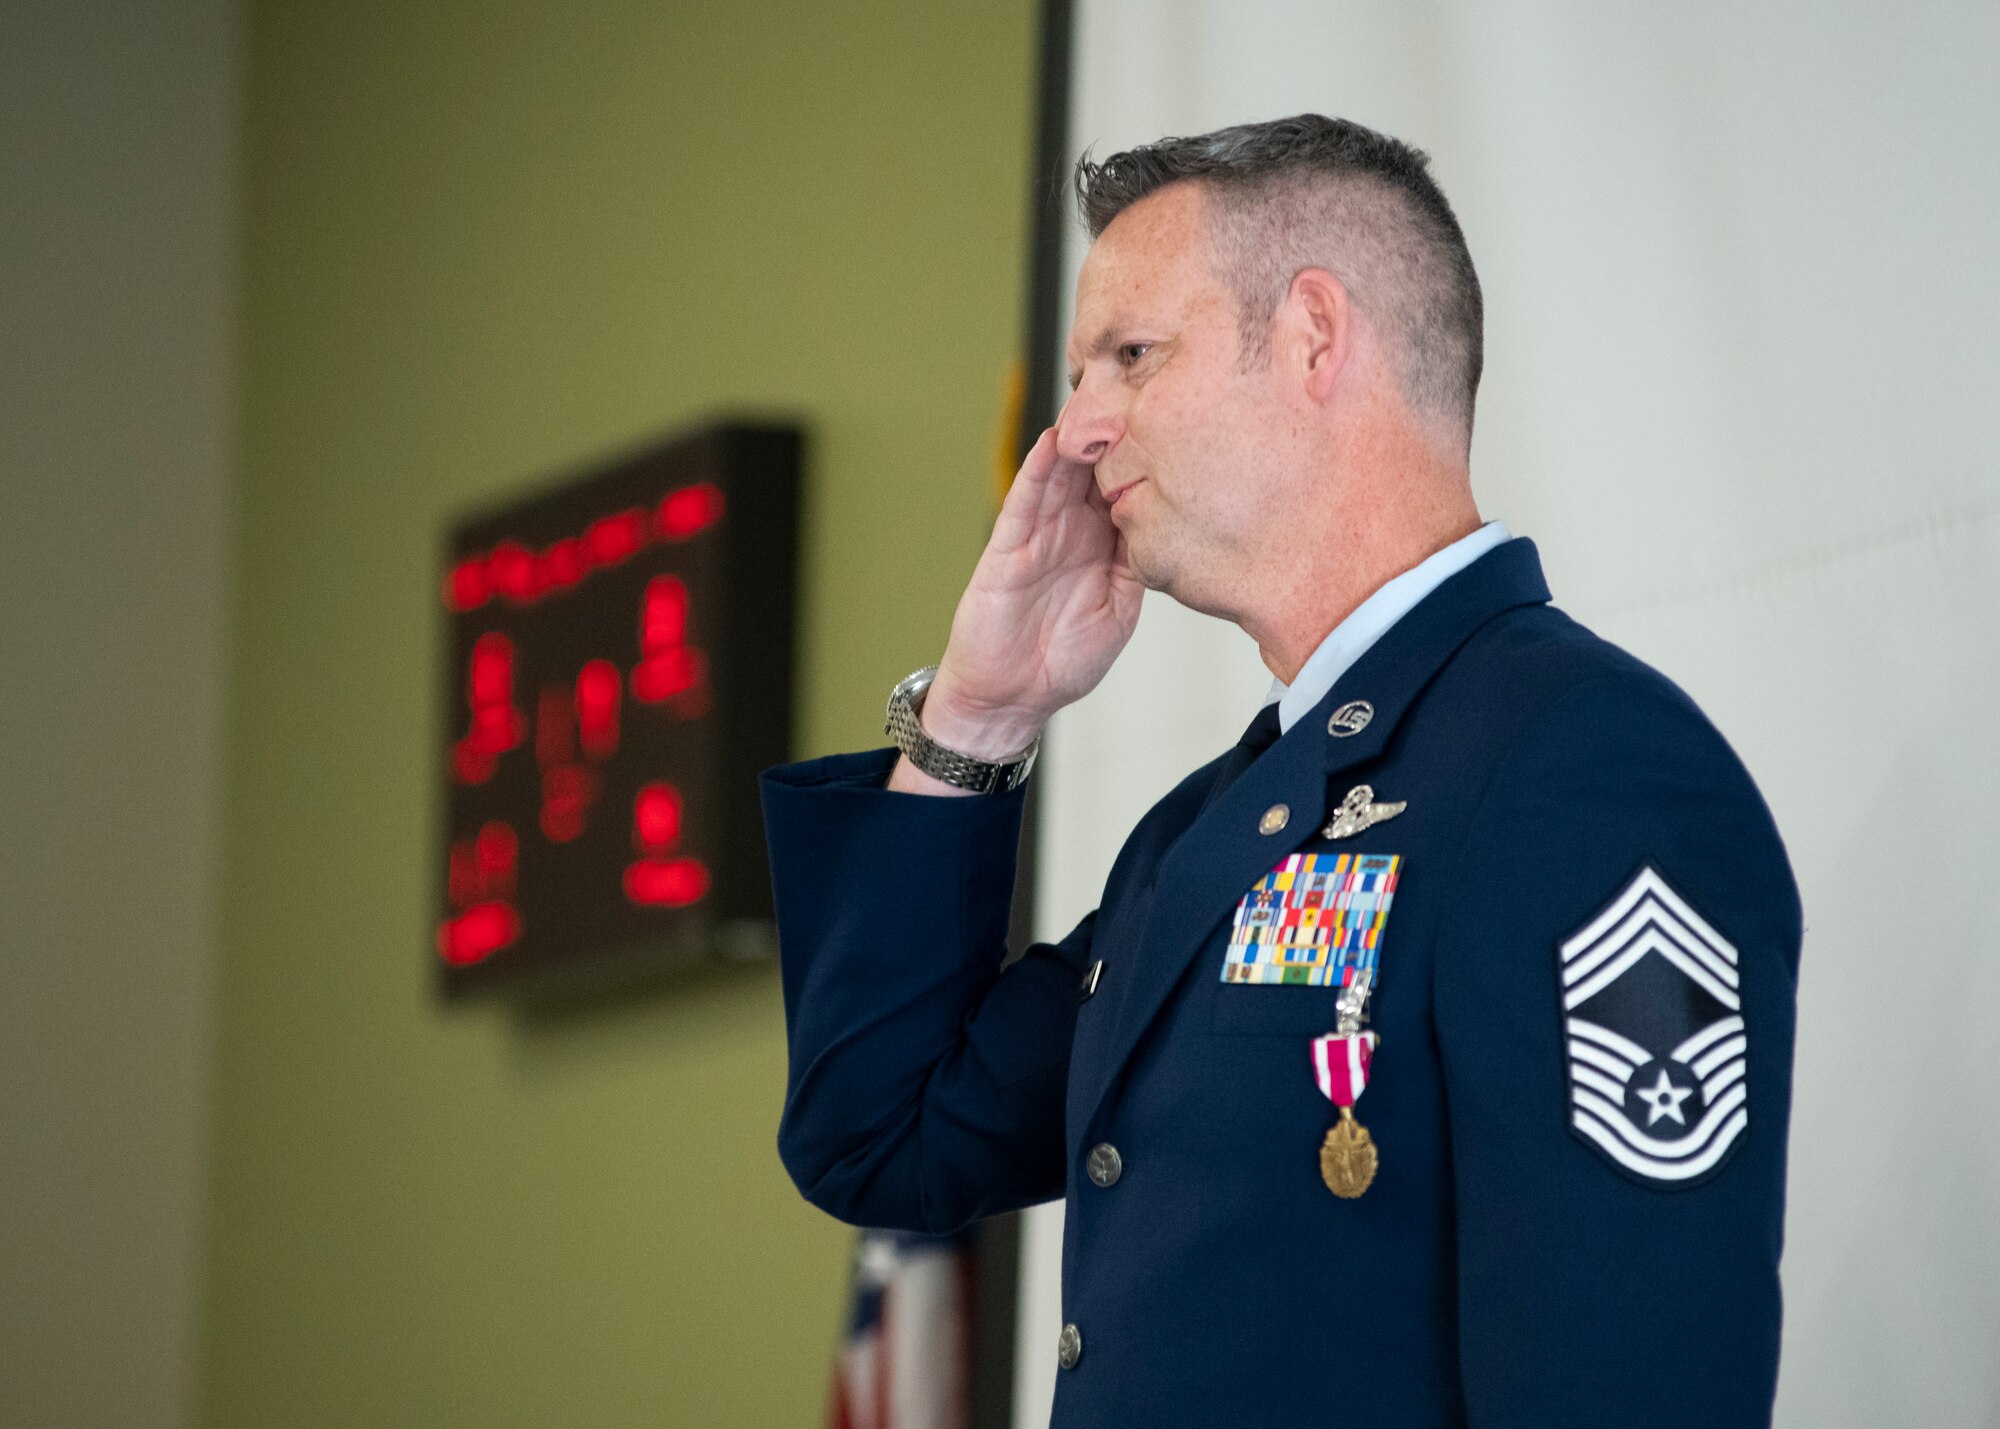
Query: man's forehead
(1145,267)
(1168,217)
(1152,240)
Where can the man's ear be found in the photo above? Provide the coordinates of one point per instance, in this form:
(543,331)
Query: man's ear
(1320,324)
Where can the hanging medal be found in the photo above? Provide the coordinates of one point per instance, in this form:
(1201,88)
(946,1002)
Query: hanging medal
(1341,1062)
(1343,1058)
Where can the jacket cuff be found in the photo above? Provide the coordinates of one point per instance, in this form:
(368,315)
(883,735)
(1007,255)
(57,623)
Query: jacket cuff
(836,810)
(883,899)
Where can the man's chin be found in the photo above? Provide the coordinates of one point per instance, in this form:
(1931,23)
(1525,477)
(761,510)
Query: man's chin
(1156,569)
(1160,571)
(1146,565)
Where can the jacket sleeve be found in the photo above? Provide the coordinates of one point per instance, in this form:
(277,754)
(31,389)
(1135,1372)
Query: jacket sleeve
(1619,1180)
(925,1084)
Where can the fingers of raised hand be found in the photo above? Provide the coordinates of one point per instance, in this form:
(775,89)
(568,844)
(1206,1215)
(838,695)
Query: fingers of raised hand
(1020,507)
(1045,487)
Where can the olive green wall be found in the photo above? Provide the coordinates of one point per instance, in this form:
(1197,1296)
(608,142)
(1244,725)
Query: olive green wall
(117,206)
(483,243)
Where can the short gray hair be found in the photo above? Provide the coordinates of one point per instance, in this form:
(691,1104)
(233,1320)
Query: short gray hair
(1314,192)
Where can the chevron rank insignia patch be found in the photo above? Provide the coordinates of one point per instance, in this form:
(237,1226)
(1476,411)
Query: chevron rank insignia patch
(1657,1047)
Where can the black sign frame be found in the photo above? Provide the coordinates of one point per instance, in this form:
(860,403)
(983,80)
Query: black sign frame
(593,857)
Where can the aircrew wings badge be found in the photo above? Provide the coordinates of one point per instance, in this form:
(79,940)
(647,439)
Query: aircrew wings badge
(1657,1046)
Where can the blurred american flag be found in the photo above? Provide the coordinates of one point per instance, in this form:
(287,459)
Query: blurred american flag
(905,1362)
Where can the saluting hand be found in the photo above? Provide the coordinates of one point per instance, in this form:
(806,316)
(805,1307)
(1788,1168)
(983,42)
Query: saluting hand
(1051,603)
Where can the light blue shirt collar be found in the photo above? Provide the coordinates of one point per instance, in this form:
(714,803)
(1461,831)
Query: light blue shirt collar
(1371,619)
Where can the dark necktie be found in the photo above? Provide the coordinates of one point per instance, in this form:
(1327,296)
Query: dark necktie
(1259,736)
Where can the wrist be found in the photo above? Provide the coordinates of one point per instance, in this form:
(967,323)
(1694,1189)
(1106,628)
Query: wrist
(906,778)
(968,768)
(982,732)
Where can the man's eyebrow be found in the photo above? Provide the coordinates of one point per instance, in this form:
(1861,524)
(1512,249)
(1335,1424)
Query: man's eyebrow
(1105,340)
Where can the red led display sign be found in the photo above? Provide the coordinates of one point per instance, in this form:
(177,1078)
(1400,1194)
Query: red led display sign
(618,670)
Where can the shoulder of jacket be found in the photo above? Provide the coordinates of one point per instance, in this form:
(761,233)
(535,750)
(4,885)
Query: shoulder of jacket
(1544,665)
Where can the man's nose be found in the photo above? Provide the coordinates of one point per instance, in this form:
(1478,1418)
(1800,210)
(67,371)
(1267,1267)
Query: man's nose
(1087,428)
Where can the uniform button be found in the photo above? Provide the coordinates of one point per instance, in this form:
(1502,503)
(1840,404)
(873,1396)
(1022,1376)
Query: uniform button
(1275,818)
(1069,1346)
(1104,1164)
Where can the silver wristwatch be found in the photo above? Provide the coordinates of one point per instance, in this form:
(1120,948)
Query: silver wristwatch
(962,770)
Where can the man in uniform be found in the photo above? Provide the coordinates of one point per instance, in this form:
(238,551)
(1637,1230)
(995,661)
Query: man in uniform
(1427,1059)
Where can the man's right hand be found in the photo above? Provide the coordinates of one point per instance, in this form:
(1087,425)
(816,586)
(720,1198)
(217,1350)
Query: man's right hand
(1051,603)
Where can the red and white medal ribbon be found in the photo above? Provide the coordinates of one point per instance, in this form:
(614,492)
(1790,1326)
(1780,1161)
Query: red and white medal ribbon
(1341,1065)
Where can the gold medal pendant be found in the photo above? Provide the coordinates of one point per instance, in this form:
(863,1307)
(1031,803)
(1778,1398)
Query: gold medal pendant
(1347,1158)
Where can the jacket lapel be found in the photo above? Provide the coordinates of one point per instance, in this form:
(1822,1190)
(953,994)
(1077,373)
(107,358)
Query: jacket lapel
(1202,874)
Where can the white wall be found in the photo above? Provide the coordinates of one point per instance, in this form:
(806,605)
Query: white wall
(116,209)
(1739,266)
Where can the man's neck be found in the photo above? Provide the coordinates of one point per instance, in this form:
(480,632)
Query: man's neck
(1319,596)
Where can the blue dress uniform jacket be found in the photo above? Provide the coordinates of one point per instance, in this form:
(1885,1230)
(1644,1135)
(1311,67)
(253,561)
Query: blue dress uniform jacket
(1577,1218)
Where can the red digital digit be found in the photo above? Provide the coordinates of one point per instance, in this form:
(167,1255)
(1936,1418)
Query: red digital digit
(657,878)
(656,817)
(478,933)
(663,619)
(496,725)
(514,572)
(689,510)
(564,564)
(482,884)
(668,665)
(468,585)
(597,695)
(669,673)
(612,539)
(666,882)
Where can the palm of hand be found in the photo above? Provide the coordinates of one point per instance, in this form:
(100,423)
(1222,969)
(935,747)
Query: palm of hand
(1053,600)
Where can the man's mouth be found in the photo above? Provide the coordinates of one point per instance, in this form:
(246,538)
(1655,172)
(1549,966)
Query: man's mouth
(1112,496)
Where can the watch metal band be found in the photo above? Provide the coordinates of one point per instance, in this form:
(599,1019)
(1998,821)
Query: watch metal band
(959,770)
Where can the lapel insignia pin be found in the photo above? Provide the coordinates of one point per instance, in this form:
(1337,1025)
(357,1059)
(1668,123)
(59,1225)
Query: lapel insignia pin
(1350,718)
(1359,811)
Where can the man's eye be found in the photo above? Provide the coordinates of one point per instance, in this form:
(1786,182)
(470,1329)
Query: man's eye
(1130,352)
